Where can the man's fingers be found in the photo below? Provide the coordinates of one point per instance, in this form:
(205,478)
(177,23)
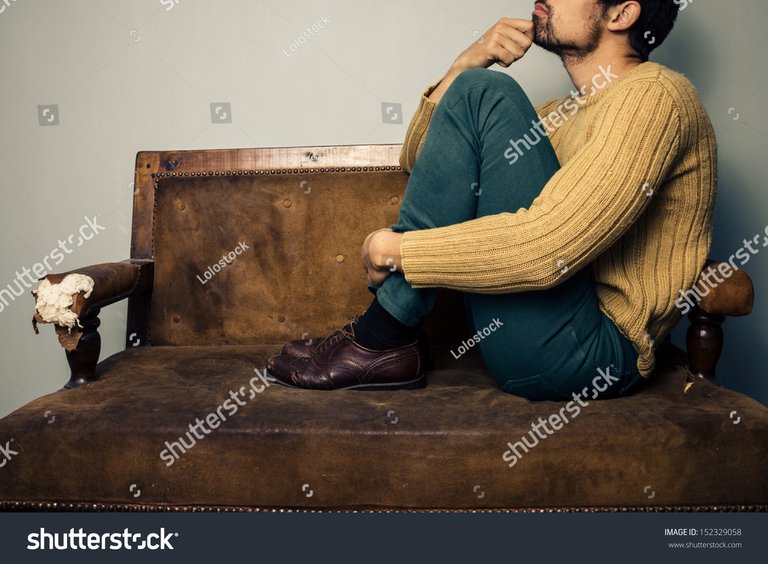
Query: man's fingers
(520,38)
(502,56)
(509,51)
(377,277)
(523,26)
(510,37)
(506,49)
(519,24)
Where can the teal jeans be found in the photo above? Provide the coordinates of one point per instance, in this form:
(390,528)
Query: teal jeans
(543,345)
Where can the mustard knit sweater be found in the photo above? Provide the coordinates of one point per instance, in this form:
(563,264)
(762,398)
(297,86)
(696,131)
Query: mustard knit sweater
(633,201)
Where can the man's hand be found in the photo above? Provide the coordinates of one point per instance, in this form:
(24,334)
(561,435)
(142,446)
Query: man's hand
(506,42)
(381,255)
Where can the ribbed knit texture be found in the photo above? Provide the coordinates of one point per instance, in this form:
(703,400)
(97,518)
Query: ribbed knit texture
(633,201)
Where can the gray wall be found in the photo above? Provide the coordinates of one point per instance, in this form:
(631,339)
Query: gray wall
(131,75)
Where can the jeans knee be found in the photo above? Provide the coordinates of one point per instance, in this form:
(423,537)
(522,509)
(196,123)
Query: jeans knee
(480,77)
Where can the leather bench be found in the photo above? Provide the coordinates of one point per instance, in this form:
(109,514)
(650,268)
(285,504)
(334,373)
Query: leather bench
(180,420)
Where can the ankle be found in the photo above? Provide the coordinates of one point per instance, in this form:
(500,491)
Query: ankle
(379,330)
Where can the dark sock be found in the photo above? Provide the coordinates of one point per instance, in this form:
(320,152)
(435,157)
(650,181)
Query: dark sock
(378,330)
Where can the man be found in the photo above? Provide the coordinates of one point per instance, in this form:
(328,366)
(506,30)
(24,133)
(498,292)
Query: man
(570,228)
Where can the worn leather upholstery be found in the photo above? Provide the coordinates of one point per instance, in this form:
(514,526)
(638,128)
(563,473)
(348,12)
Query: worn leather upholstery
(435,448)
(440,447)
(302,273)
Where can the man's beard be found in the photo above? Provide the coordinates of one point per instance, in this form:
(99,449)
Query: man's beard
(546,38)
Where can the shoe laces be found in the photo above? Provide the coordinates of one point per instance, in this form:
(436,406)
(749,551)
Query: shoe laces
(345,331)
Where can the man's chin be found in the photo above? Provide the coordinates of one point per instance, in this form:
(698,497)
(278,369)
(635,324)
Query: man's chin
(557,48)
(540,37)
(547,46)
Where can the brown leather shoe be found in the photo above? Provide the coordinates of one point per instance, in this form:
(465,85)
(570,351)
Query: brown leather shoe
(338,362)
(300,349)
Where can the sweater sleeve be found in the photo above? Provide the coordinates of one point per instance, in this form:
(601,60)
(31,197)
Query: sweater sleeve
(419,127)
(417,130)
(583,209)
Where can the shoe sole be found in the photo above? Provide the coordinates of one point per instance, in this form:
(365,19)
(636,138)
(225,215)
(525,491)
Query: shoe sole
(416,384)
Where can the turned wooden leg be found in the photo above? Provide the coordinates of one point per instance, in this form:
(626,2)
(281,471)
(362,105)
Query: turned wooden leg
(83,359)
(705,343)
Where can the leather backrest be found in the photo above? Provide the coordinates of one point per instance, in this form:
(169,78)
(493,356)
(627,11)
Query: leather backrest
(270,256)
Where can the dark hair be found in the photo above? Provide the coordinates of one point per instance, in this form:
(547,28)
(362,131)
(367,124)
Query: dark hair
(657,18)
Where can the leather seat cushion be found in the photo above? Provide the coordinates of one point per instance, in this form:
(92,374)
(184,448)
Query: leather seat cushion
(439,447)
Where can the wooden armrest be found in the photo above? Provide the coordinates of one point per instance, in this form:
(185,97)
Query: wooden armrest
(112,282)
(732,295)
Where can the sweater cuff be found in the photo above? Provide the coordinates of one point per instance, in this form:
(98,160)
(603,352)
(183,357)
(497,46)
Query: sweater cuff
(440,257)
(429,90)
(417,130)
(424,111)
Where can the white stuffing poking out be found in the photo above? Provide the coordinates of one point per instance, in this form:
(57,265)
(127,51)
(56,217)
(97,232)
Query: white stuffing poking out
(54,300)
